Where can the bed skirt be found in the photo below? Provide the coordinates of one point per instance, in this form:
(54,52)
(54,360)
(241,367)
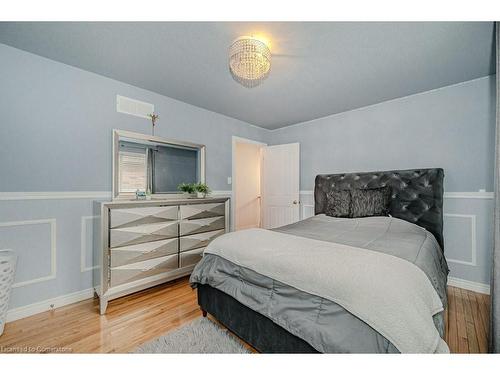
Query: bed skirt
(255,329)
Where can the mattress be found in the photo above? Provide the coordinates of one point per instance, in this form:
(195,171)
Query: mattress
(325,325)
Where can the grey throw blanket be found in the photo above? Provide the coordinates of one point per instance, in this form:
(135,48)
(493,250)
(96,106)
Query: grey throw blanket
(322,323)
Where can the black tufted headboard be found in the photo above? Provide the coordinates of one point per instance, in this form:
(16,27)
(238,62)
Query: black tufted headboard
(417,194)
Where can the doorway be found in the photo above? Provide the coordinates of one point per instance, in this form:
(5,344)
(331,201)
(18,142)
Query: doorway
(265,184)
(246,183)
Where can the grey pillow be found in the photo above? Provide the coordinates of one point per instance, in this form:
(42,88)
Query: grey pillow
(370,202)
(338,203)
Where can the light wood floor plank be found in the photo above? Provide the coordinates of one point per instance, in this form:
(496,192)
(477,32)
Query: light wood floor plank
(135,319)
(469,324)
(463,344)
(452,322)
(478,324)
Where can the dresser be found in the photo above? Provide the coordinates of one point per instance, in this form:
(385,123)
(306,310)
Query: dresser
(140,244)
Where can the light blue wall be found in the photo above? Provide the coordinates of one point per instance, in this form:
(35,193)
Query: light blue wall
(451,127)
(56,124)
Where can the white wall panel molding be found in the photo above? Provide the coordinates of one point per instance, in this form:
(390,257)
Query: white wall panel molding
(83,244)
(469,285)
(473,245)
(49,304)
(469,195)
(447,195)
(53,252)
(45,195)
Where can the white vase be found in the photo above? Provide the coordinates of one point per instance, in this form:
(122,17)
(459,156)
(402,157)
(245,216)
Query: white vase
(201,195)
(8,261)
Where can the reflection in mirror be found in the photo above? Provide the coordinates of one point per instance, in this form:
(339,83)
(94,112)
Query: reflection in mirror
(154,164)
(173,165)
(132,171)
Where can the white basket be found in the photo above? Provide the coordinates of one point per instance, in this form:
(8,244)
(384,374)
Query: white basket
(7,271)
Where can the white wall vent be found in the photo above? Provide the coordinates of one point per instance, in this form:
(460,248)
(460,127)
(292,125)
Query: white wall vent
(133,107)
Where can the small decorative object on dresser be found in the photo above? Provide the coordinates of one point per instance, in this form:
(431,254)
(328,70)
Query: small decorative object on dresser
(187,189)
(145,243)
(202,190)
(8,260)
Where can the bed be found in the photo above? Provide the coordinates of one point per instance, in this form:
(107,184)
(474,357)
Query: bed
(310,287)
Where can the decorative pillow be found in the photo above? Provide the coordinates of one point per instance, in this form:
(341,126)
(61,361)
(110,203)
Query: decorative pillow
(370,202)
(338,203)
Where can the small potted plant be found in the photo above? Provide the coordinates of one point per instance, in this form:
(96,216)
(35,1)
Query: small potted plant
(202,190)
(187,189)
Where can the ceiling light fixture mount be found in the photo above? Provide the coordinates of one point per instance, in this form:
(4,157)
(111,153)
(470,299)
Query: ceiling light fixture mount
(249,61)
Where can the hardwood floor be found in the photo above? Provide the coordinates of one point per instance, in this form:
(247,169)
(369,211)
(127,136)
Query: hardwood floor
(135,319)
(129,322)
(467,321)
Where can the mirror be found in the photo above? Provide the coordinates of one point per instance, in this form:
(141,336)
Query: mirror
(142,162)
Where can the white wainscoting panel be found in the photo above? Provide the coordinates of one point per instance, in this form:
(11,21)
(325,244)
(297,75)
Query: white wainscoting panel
(84,243)
(471,246)
(53,249)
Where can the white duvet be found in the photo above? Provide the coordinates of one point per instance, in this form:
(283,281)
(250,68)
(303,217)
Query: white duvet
(390,294)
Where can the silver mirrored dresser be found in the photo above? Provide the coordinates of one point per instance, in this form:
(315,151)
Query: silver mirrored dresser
(141,244)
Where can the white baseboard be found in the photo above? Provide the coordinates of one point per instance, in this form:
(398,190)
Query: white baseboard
(50,304)
(469,285)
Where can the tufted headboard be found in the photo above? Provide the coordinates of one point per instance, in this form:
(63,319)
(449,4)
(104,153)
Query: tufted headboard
(417,194)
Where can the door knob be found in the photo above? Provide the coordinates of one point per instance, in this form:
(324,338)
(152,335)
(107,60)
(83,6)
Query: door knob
(295,202)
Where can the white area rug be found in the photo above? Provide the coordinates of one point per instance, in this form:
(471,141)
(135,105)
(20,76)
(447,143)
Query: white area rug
(199,336)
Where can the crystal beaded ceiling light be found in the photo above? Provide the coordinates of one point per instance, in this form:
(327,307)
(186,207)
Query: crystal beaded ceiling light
(249,61)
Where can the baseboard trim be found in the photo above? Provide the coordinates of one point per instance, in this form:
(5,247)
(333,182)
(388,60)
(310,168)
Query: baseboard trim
(469,285)
(49,304)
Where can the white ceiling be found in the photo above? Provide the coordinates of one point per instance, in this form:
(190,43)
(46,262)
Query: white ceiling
(318,69)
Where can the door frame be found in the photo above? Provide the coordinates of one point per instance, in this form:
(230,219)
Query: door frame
(236,139)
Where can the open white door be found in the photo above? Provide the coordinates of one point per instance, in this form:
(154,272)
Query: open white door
(280,185)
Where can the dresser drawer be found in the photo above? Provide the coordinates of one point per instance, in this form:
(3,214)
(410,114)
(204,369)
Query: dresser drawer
(195,241)
(142,215)
(201,211)
(125,236)
(189,258)
(136,253)
(201,225)
(140,270)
